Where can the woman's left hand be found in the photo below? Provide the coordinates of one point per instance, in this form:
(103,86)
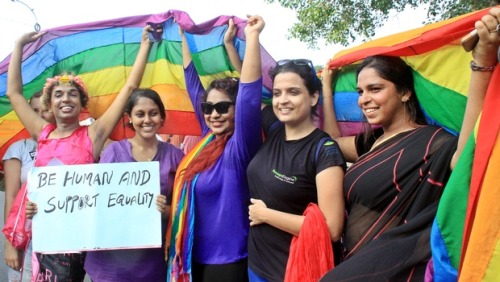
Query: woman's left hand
(145,34)
(488,28)
(161,204)
(254,24)
(256,212)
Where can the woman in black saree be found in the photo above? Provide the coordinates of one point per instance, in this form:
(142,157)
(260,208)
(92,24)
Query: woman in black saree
(399,170)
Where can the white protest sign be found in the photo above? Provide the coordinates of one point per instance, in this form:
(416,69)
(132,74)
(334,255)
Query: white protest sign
(95,206)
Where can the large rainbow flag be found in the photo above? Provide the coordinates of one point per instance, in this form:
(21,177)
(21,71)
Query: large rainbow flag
(466,231)
(465,239)
(103,52)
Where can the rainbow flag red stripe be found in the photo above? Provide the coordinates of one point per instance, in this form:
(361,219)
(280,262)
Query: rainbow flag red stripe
(102,54)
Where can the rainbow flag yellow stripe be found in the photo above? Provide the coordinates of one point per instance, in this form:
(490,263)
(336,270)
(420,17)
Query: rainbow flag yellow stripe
(103,52)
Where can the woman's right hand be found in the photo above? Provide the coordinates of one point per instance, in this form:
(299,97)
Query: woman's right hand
(256,211)
(327,75)
(29,37)
(12,256)
(31,209)
(230,32)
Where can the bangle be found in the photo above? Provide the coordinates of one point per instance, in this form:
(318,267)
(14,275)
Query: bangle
(475,67)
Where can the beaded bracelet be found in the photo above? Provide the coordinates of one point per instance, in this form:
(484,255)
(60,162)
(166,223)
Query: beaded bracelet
(475,67)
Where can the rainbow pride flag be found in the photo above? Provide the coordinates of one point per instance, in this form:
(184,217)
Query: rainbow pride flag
(465,239)
(440,68)
(102,54)
(466,231)
(480,257)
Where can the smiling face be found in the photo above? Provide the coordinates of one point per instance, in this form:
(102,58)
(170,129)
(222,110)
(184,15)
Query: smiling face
(146,118)
(292,102)
(379,100)
(219,123)
(65,102)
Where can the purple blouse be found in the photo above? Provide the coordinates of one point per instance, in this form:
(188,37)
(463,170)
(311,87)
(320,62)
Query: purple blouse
(221,193)
(136,264)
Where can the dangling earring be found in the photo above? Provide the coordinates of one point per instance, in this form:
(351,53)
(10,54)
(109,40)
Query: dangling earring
(129,122)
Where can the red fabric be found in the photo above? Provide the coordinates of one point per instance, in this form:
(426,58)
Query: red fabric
(15,228)
(311,253)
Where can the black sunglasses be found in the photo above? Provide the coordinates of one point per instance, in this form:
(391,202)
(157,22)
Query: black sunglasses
(301,62)
(298,62)
(221,107)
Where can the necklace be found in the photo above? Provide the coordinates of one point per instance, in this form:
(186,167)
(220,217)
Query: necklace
(151,157)
(142,154)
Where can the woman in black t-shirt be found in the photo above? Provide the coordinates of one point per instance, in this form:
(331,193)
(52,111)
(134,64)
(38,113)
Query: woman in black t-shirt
(297,165)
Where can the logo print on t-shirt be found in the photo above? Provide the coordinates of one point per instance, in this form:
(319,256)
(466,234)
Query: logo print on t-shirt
(284,178)
(33,155)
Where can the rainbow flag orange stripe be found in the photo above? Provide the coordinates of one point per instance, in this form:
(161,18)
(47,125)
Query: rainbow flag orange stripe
(103,52)
(441,83)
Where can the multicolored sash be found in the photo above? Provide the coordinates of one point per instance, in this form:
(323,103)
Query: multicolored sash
(179,239)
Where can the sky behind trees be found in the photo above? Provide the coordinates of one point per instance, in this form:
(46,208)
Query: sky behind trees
(16,19)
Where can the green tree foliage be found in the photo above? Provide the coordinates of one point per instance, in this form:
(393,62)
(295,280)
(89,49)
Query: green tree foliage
(344,21)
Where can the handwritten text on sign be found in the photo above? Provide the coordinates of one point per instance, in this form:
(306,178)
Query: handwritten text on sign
(95,206)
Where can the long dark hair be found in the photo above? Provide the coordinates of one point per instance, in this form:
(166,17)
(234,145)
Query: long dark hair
(212,152)
(395,70)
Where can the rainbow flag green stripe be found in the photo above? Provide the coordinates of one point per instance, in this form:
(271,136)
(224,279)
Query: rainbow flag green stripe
(442,105)
(103,52)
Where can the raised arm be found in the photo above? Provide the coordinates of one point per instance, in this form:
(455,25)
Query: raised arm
(330,123)
(330,126)
(186,54)
(251,69)
(484,55)
(100,130)
(30,119)
(232,53)
(248,129)
(193,83)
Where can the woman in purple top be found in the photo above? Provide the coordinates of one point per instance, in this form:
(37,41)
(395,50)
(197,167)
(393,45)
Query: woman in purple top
(220,229)
(146,113)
